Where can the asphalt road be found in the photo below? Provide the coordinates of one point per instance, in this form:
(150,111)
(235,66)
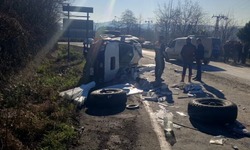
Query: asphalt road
(219,83)
(213,67)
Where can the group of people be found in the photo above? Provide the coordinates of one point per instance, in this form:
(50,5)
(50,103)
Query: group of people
(238,51)
(188,53)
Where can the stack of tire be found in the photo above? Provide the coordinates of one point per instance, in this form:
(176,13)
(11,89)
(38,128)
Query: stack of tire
(107,98)
(212,110)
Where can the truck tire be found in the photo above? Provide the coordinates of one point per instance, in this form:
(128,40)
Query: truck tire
(212,110)
(107,98)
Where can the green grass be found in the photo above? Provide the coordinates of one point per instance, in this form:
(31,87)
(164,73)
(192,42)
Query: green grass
(39,118)
(58,138)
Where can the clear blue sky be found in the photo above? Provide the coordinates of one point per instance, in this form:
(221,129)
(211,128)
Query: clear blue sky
(105,10)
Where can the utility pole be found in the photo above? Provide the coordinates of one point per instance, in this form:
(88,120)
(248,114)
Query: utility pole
(149,22)
(218,18)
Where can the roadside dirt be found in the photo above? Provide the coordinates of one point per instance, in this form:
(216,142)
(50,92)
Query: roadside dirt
(117,129)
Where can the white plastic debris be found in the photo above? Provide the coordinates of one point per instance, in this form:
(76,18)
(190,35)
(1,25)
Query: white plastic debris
(181,113)
(219,140)
(176,126)
(161,104)
(78,94)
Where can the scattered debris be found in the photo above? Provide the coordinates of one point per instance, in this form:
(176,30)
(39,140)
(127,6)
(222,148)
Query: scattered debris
(163,104)
(181,113)
(132,106)
(176,126)
(243,108)
(191,95)
(162,99)
(219,140)
(143,84)
(78,94)
(235,147)
(177,71)
(170,137)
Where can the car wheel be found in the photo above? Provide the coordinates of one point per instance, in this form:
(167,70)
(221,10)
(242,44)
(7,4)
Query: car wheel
(212,110)
(106,98)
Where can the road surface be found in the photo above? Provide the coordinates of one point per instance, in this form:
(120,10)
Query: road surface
(214,67)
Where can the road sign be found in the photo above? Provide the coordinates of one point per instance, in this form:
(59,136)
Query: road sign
(73,33)
(78,24)
(78,9)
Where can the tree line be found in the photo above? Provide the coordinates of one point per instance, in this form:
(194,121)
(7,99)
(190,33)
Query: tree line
(186,18)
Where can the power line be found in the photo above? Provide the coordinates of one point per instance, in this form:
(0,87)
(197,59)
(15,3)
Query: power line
(244,6)
(235,4)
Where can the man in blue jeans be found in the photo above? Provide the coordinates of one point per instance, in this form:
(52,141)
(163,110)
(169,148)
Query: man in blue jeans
(199,56)
(187,54)
(159,59)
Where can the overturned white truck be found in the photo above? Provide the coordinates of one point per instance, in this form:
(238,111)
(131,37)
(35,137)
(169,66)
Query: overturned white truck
(112,56)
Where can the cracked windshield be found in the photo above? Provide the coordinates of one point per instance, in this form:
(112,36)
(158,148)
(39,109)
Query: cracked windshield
(124,75)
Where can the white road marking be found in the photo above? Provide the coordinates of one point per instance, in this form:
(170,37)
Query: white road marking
(158,130)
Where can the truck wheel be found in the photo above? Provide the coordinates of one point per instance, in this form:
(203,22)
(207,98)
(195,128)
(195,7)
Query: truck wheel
(212,110)
(106,98)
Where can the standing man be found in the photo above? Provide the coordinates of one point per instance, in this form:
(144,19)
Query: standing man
(239,49)
(159,59)
(245,50)
(226,48)
(199,56)
(187,54)
(235,52)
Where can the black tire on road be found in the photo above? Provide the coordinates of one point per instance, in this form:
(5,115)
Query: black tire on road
(212,110)
(107,98)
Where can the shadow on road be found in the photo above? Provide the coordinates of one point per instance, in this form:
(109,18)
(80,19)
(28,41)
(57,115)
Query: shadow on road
(214,91)
(105,112)
(215,129)
(208,68)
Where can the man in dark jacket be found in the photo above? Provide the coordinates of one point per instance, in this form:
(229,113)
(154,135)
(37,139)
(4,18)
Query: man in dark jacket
(199,56)
(239,49)
(245,49)
(159,58)
(187,54)
(226,48)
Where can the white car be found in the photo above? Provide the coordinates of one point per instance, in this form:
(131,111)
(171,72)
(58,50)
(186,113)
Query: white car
(175,47)
(112,55)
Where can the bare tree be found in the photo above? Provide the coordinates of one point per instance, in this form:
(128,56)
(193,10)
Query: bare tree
(182,20)
(228,28)
(129,20)
(117,23)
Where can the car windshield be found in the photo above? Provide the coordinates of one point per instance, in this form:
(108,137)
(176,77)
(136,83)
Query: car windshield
(124,74)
